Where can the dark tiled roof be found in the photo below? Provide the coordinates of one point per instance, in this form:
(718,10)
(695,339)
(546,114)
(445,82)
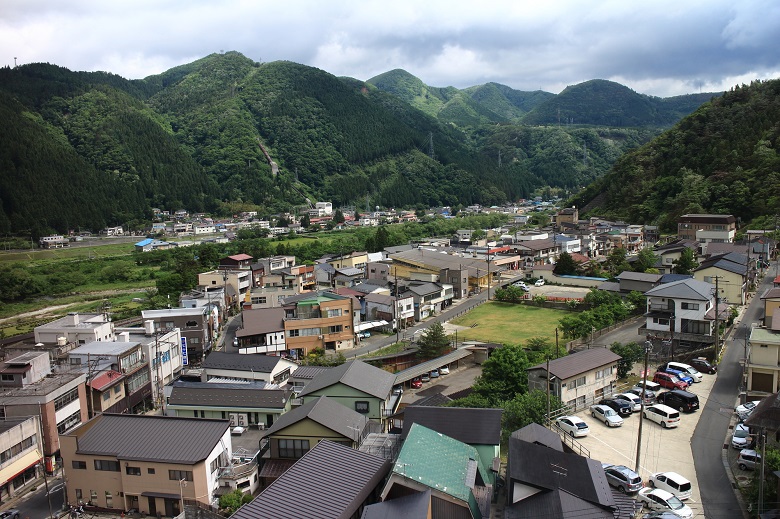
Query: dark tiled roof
(766,414)
(535,433)
(273,468)
(559,504)
(326,412)
(683,289)
(338,481)
(127,437)
(238,362)
(356,374)
(228,395)
(434,400)
(468,425)
(581,362)
(414,506)
(308,372)
(639,276)
(261,320)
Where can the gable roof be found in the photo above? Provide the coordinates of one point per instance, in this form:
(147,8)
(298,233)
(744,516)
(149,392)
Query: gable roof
(261,320)
(238,362)
(126,437)
(468,425)
(356,374)
(211,394)
(557,503)
(358,474)
(580,362)
(535,433)
(413,506)
(639,276)
(326,412)
(684,289)
(724,263)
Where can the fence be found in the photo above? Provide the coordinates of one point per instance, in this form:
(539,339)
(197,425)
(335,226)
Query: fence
(578,343)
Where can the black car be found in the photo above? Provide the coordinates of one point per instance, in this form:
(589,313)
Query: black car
(703,365)
(683,401)
(621,407)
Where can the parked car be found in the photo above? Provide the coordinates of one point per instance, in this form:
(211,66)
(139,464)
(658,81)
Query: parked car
(703,365)
(444,370)
(623,478)
(520,284)
(657,499)
(606,414)
(13,513)
(748,459)
(741,438)
(663,415)
(744,410)
(398,390)
(235,342)
(649,396)
(666,514)
(632,399)
(573,426)
(687,369)
(434,373)
(683,401)
(416,383)
(426,377)
(679,374)
(539,282)
(649,385)
(673,483)
(668,381)
(622,407)
(364,335)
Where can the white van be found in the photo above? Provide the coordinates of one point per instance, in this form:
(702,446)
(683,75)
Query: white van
(673,483)
(662,414)
(655,387)
(686,369)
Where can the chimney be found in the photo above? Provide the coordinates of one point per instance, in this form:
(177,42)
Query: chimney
(73,319)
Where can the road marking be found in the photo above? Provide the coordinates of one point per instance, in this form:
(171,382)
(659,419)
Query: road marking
(54,489)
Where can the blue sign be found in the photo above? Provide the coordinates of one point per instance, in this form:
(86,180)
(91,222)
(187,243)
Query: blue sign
(184,359)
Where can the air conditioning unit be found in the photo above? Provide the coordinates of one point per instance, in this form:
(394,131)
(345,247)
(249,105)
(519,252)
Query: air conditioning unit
(319,336)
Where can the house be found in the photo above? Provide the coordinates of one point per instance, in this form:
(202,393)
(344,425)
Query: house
(150,244)
(427,261)
(705,228)
(319,320)
(763,368)
(244,403)
(76,328)
(544,481)
(248,368)
(771,301)
(29,388)
(357,260)
(53,242)
(299,430)
(639,281)
(347,277)
(578,378)
(342,481)
(731,271)
(262,331)
(479,428)
(112,462)
(356,385)
(429,298)
(398,311)
(452,471)
(195,325)
(671,252)
(237,283)
(682,312)
(567,215)
(20,464)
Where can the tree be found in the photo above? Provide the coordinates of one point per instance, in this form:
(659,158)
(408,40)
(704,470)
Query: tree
(433,342)
(305,220)
(503,374)
(229,503)
(566,266)
(629,354)
(686,263)
(525,409)
(338,216)
(616,261)
(645,260)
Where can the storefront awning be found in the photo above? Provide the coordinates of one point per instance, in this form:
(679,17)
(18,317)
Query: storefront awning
(19,466)
(370,324)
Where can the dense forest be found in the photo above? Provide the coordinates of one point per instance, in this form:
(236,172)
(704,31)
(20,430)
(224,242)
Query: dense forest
(89,149)
(723,158)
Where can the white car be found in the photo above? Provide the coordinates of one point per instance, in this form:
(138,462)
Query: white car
(673,483)
(657,499)
(741,438)
(539,282)
(573,426)
(520,284)
(606,414)
(444,370)
(634,400)
(744,410)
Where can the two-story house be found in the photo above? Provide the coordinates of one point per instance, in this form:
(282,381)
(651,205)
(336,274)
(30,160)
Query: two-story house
(429,298)
(262,331)
(194,325)
(76,328)
(763,367)
(705,228)
(731,270)
(682,312)
(147,463)
(398,311)
(21,453)
(578,378)
(249,368)
(318,320)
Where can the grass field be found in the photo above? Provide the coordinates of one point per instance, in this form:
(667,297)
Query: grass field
(508,323)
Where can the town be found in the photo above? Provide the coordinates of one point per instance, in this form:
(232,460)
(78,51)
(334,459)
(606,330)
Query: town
(214,406)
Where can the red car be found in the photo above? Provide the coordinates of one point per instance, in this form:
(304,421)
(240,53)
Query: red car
(669,381)
(416,383)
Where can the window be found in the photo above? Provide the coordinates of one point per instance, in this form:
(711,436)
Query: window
(109,499)
(335,329)
(690,306)
(106,395)
(361,407)
(7,378)
(79,495)
(133,471)
(662,322)
(117,389)
(334,312)
(70,422)
(63,400)
(293,448)
(577,382)
(93,496)
(150,470)
(191,324)
(107,465)
(178,475)
(80,465)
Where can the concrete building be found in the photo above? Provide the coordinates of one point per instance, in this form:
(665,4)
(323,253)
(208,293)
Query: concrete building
(20,454)
(706,228)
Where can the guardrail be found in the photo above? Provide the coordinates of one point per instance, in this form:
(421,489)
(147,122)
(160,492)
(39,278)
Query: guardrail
(573,444)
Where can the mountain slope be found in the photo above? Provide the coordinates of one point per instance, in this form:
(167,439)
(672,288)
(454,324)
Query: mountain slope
(723,158)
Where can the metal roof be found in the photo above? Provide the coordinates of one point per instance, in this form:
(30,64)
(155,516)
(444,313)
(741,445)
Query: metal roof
(684,289)
(578,363)
(326,412)
(261,320)
(469,425)
(205,394)
(427,366)
(238,362)
(150,438)
(308,372)
(535,433)
(356,374)
(338,482)
(413,506)
(639,276)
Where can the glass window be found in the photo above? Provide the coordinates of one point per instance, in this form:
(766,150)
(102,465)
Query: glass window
(81,465)
(361,407)
(107,465)
(293,448)
(178,475)
(133,471)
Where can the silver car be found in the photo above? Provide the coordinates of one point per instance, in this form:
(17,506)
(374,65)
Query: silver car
(606,414)
(623,478)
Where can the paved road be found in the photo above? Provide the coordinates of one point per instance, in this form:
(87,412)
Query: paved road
(707,442)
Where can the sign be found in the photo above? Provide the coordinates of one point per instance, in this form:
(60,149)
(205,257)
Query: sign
(184,359)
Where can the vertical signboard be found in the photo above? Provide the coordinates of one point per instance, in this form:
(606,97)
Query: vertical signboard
(184,359)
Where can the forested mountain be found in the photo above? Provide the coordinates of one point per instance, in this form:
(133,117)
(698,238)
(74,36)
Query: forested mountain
(191,138)
(723,158)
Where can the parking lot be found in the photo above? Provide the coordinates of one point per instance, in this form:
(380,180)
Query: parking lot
(661,450)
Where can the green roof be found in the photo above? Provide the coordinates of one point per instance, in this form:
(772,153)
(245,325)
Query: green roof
(439,462)
(764,336)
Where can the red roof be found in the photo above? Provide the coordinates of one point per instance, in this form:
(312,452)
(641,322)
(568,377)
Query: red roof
(106,379)
(240,257)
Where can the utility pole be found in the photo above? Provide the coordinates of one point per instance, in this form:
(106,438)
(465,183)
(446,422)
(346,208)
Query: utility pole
(745,363)
(547,383)
(648,347)
(717,322)
(43,446)
(397,313)
(488,272)
(557,352)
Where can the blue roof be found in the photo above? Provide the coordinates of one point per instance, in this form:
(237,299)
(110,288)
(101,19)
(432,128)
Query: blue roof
(144,243)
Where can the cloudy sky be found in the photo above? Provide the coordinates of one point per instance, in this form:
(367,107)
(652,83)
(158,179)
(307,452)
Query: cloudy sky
(656,47)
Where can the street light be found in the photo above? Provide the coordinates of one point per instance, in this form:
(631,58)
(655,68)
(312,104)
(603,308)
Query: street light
(182,484)
(648,347)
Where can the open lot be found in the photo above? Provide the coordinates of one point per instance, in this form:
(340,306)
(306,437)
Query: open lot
(508,323)
(661,449)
